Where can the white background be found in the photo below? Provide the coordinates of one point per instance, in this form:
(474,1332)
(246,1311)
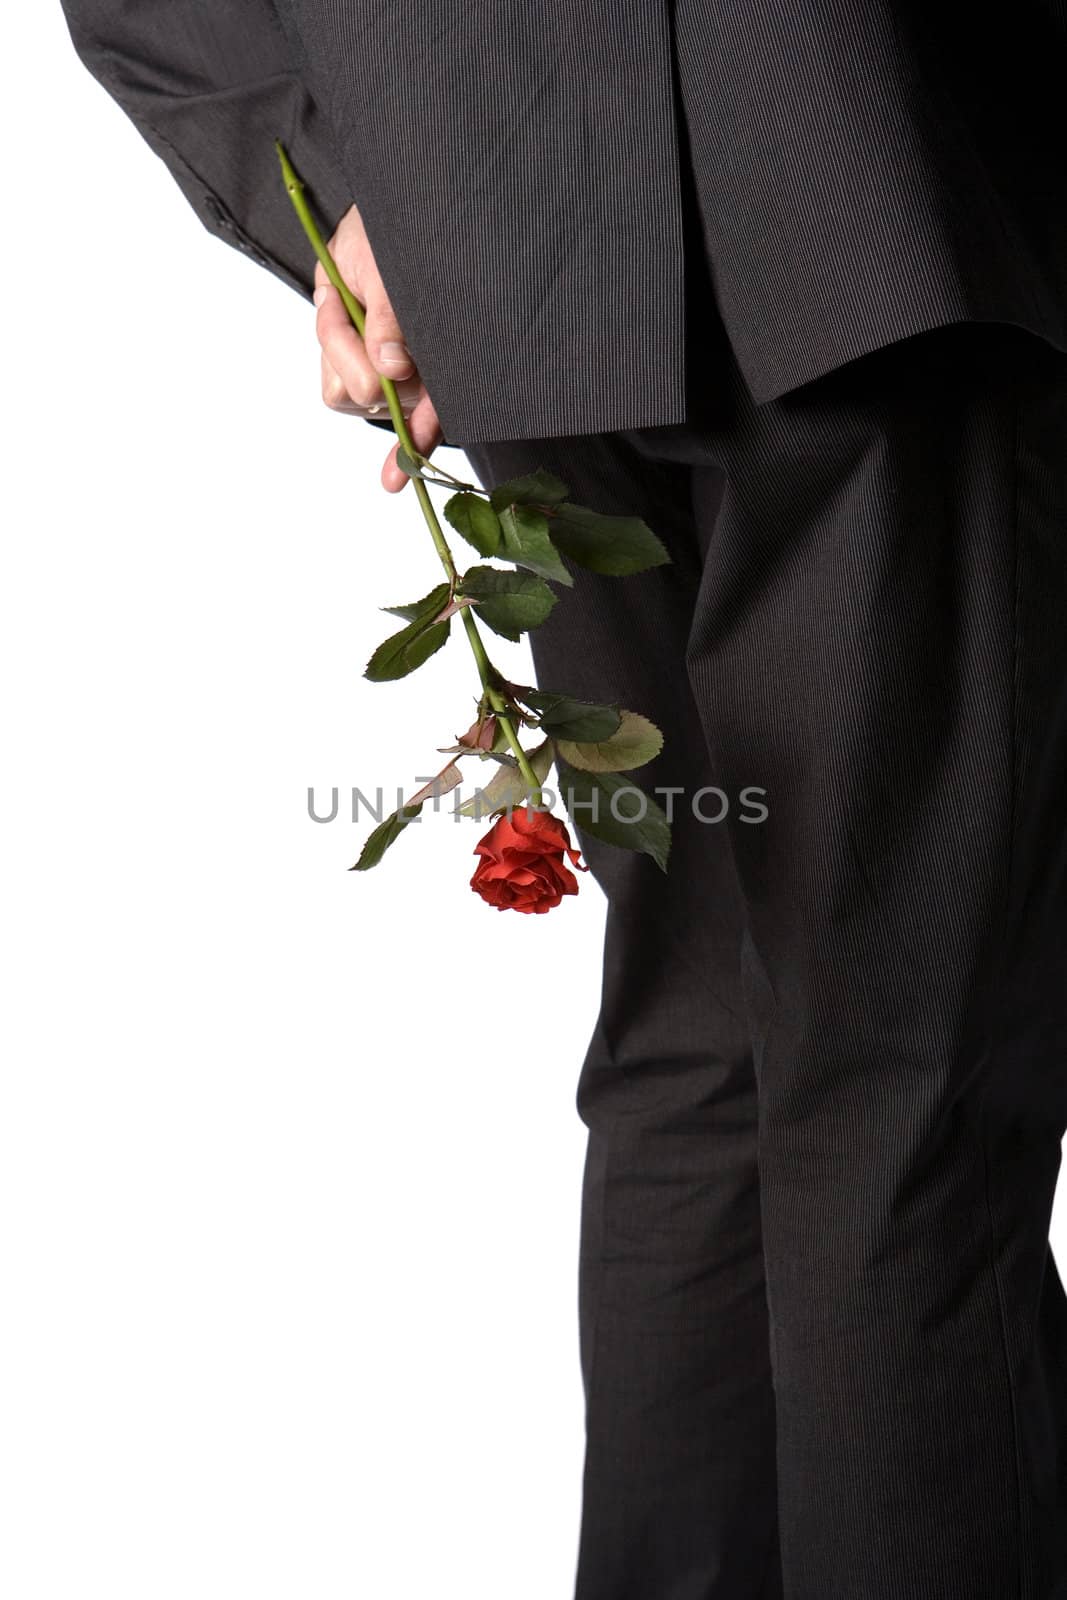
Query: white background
(289,1198)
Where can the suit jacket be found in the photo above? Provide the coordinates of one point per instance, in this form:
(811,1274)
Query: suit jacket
(863,170)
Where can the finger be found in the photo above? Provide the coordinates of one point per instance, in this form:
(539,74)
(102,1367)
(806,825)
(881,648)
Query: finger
(426,435)
(334,393)
(337,397)
(343,348)
(388,353)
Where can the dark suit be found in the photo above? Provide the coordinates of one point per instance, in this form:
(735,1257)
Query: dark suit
(865,170)
(790,281)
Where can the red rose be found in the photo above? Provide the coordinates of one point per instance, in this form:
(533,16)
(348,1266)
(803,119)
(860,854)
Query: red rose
(522,866)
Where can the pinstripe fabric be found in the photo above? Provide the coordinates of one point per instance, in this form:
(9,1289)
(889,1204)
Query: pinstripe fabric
(868,172)
(869,602)
(523,205)
(864,171)
(211,87)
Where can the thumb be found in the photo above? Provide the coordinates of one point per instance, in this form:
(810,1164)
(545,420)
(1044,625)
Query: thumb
(382,337)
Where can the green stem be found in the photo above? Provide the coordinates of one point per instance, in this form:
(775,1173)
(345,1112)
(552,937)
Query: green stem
(499,705)
(396,412)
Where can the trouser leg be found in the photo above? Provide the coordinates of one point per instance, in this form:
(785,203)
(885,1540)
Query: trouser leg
(881,639)
(679,1492)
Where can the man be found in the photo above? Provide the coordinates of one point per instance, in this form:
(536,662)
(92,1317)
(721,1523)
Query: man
(790,281)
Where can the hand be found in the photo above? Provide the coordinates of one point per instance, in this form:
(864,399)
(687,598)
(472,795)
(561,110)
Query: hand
(351,366)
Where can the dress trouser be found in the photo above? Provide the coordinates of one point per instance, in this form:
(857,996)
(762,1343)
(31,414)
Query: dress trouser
(824,1343)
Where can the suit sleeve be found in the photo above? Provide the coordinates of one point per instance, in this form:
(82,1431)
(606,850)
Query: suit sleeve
(211,84)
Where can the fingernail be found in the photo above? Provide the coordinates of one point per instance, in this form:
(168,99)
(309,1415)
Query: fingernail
(320,294)
(393,354)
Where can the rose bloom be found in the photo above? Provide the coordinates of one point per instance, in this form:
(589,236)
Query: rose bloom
(522,864)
